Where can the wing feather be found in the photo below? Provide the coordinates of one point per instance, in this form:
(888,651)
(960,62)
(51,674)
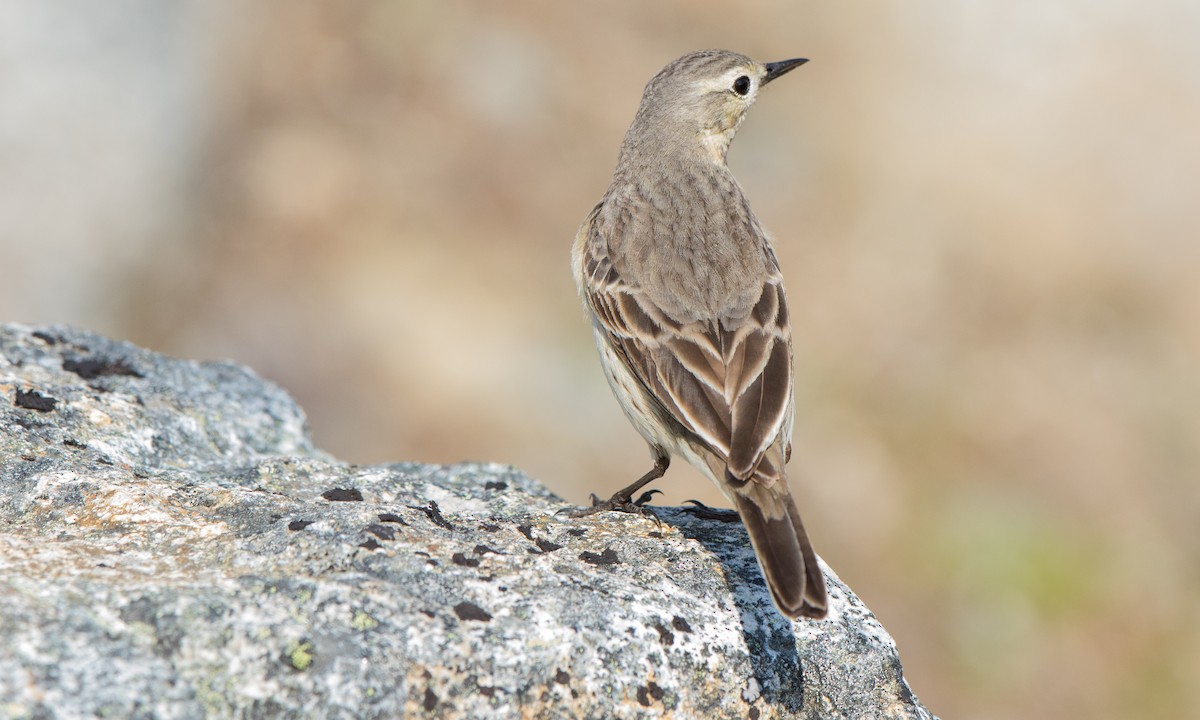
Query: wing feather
(727,381)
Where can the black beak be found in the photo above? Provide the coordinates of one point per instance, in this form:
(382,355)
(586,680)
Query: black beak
(776,69)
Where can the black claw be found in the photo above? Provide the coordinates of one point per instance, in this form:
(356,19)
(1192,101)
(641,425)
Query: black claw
(704,512)
(646,497)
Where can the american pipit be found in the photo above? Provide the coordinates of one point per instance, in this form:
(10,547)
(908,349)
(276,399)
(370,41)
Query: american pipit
(687,307)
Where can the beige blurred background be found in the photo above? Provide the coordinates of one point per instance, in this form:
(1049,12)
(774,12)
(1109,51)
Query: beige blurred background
(988,216)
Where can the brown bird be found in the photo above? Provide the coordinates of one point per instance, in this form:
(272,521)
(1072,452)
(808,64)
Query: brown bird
(687,307)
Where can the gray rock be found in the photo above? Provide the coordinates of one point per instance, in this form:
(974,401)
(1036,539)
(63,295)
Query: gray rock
(172,545)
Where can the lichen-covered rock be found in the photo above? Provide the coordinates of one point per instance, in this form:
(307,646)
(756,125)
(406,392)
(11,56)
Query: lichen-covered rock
(172,545)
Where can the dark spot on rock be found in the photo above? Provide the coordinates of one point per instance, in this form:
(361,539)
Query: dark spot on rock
(546,546)
(94,367)
(489,527)
(608,557)
(460,559)
(433,513)
(680,624)
(343,495)
(45,337)
(430,701)
(471,611)
(72,442)
(665,636)
(487,691)
(34,400)
(140,610)
(643,697)
(370,544)
(753,714)
(429,613)
(577,532)
(383,532)
(655,691)
(28,424)
(484,550)
(562,677)
(299,524)
(906,694)
(392,518)
(654,534)
(495,485)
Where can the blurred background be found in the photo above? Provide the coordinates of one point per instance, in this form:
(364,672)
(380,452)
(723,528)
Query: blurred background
(988,215)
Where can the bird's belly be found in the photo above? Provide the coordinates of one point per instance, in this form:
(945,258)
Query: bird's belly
(646,416)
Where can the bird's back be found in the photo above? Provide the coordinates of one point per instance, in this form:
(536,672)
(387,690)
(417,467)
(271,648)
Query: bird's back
(685,235)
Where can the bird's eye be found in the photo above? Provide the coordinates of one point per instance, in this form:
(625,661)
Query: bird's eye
(741,86)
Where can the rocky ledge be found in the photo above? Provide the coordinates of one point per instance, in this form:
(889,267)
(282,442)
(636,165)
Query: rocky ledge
(173,545)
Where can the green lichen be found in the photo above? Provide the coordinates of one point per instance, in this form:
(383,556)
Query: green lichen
(363,621)
(299,654)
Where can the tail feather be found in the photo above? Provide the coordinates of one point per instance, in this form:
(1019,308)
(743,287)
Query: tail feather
(786,557)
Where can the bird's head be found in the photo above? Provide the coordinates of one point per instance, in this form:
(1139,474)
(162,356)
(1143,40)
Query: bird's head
(701,98)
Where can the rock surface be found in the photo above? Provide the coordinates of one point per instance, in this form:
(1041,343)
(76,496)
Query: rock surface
(173,545)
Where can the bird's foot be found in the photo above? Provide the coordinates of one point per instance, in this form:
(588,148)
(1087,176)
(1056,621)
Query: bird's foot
(620,502)
(704,512)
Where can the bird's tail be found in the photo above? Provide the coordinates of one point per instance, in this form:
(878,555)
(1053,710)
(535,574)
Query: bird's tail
(787,559)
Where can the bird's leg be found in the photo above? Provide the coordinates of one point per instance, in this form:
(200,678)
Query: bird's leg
(622,500)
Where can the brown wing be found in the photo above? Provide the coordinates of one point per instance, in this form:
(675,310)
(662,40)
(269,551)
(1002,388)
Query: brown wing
(729,383)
